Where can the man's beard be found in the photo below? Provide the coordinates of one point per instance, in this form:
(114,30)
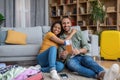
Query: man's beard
(68,30)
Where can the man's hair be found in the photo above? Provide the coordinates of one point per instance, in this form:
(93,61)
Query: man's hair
(66,17)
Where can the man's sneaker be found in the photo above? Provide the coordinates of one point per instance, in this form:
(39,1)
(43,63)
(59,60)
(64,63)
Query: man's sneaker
(112,73)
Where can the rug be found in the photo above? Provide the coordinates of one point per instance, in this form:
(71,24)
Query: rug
(71,76)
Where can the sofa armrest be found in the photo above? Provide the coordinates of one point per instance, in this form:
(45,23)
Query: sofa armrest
(94,45)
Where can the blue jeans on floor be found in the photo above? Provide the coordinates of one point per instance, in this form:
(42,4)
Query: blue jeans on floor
(84,65)
(47,60)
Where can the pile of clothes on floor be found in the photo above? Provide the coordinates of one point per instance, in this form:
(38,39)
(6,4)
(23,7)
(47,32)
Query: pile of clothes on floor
(16,72)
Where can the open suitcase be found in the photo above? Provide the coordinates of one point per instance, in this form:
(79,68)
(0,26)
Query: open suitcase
(110,45)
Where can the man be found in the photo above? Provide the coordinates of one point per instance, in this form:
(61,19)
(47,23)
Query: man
(78,60)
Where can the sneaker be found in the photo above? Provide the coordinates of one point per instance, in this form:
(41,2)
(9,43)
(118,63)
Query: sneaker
(112,73)
(54,75)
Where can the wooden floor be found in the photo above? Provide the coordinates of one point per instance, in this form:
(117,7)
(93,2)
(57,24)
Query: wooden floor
(107,63)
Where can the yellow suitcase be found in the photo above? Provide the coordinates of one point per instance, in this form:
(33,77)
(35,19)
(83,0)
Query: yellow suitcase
(110,45)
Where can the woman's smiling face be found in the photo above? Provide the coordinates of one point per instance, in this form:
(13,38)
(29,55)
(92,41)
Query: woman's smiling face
(56,29)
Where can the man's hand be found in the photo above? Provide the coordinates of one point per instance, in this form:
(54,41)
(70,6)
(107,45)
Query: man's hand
(79,51)
(75,51)
(63,55)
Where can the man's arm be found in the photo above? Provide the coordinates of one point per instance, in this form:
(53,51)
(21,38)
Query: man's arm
(83,43)
(85,46)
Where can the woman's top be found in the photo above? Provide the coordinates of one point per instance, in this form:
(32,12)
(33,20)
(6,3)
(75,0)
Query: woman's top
(47,43)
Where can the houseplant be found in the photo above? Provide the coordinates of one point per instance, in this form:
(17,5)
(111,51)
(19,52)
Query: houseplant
(2,18)
(97,12)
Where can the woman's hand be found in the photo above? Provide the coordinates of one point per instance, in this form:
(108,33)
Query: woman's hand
(73,31)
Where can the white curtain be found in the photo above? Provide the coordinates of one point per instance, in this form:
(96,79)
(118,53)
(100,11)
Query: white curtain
(22,10)
(24,13)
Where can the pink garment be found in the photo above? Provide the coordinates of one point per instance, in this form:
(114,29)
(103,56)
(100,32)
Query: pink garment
(25,74)
(37,76)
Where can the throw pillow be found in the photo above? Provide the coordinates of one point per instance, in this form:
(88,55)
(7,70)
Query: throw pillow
(15,37)
(3,35)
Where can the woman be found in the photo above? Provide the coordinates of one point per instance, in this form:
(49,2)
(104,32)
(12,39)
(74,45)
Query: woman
(48,51)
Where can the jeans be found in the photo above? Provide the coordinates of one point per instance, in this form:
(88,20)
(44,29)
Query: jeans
(84,65)
(47,60)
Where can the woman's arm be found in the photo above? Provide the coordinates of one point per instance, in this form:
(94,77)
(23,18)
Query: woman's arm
(71,34)
(60,41)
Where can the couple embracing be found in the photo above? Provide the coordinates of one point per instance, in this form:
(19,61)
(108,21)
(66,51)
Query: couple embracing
(76,60)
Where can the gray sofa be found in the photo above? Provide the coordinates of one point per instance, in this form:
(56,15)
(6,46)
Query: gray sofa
(24,52)
(27,52)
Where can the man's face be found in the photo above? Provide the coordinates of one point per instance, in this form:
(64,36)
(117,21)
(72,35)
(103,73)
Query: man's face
(66,23)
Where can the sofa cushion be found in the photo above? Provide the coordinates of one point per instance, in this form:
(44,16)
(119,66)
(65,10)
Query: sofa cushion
(6,28)
(85,32)
(86,35)
(19,50)
(14,37)
(3,35)
(76,27)
(45,29)
(34,34)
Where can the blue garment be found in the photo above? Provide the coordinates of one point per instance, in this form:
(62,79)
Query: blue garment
(84,65)
(47,60)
